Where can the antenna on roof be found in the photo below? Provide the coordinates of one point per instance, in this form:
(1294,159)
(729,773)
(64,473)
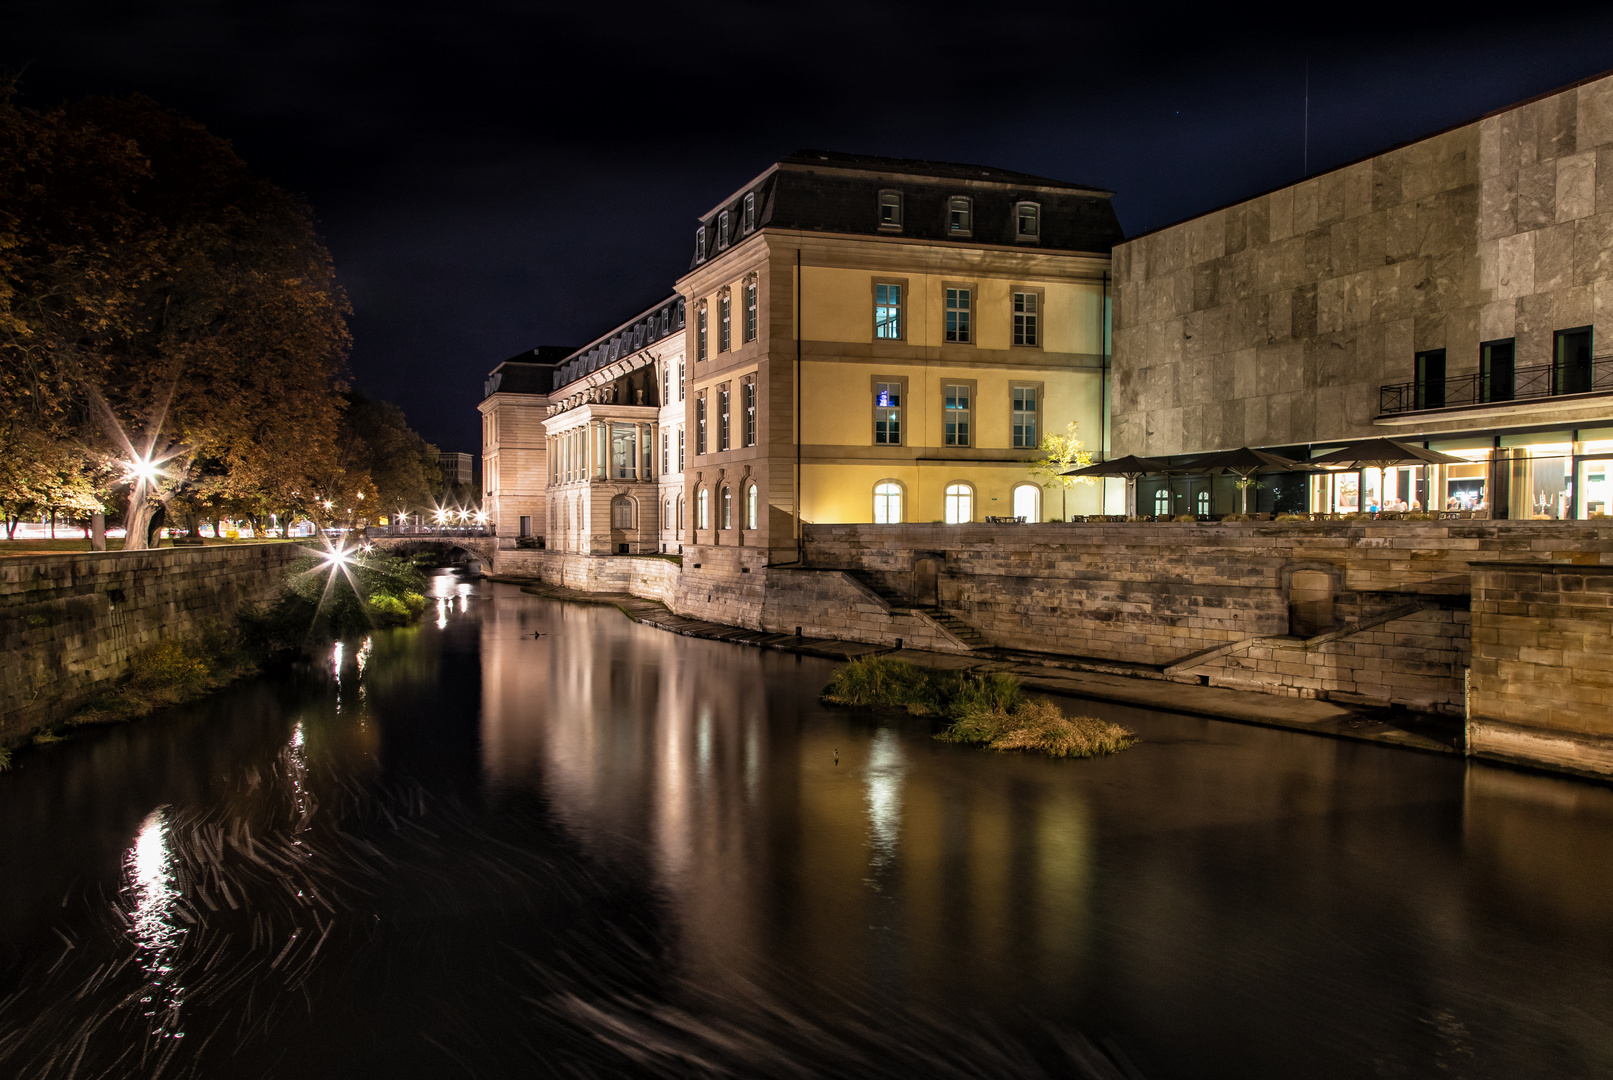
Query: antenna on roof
(1306,158)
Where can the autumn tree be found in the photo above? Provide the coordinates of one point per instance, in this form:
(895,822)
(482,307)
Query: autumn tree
(1060,454)
(161,304)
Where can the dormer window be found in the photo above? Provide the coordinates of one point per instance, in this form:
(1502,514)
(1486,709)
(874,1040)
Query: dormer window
(722,230)
(1028,221)
(700,244)
(890,210)
(960,216)
(750,212)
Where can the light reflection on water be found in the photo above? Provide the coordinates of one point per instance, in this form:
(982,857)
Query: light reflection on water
(613,851)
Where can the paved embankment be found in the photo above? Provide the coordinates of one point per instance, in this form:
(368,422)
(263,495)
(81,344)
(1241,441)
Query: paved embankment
(1066,676)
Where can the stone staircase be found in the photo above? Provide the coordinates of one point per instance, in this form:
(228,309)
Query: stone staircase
(967,635)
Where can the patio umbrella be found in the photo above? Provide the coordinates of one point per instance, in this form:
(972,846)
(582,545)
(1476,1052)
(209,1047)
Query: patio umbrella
(1131,467)
(1245,462)
(1384,454)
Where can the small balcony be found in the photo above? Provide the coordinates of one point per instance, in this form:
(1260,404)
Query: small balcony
(1498,388)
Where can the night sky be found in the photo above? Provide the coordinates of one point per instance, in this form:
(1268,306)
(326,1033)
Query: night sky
(492,176)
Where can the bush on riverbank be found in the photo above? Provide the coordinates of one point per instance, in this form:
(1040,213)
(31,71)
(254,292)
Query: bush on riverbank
(322,603)
(170,673)
(988,710)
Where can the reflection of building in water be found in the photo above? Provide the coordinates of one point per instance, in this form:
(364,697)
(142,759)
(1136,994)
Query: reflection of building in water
(697,759)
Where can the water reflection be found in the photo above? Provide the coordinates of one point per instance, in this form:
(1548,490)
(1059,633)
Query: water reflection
(607,850)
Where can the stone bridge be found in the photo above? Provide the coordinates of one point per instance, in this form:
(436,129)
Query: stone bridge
(455,549)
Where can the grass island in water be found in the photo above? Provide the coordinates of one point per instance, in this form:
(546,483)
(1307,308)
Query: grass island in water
(990,710)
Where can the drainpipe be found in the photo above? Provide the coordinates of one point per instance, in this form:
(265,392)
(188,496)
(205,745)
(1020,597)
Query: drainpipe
(800,539)
(1103,344)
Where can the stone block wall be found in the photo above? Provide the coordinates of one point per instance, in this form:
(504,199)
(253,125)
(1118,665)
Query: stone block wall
(69,624)
(1542,677)
(638,575)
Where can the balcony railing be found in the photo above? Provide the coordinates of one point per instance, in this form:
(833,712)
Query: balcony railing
(1498,388)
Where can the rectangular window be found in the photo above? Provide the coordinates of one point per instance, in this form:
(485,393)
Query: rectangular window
(680,378)
(680,449)
(722,418)
(1026,331)
(750,311)
(666,451)
(1571,361)
(1431,379)
(1497,370)
(699,424)
(960,216)
(888,312)
(890,210)
(722,230)
(700,244)
(1023,419)
(725,311)
(700,335)
(750,211)
(958,316)
(622,451)
(666,384)
(956,414)
(888,414)
(750,412)
(1028,221)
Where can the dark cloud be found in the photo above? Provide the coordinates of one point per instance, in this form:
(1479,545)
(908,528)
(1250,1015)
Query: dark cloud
(492,176)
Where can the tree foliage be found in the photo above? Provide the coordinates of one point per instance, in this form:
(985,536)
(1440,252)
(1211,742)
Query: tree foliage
(158,300)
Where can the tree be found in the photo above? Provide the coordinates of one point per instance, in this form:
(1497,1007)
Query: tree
(166,306)
(1060,454)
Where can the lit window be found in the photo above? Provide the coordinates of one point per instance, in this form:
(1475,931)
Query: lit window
(725,308)
(960,216)
(702,509)
(960,504)
(888,312)
(621,512)
(1028,502)
(956,414)
(887,503)
(700,424)
(890,209)
(680,449)
(700,334)
(1028,216)
(1162,503)
(750,211)
(750,311)
(722,419)
(1023,419)
(957,329)
(700,244)
(666,383)
(667,519)
(750,412)
(887,414)
(683,516)
(727,508)
(680,378)
(1025,314)
(666,451)
(622,450)
(722,230)
(1201,504)
(752,507)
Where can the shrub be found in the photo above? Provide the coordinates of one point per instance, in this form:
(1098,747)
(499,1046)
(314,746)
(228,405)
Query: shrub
(169,665)
(1184,517)
(988,709)
(5,758)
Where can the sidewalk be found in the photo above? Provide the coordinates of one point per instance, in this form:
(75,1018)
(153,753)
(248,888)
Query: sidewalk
(1411,731)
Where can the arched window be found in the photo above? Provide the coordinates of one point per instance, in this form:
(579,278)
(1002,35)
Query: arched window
(1028,502)
(1162,502)
(752,506)
(683,520)
(727,508)
(1202,503)
(666,521)
(621,512)
(887,503)
(960,504)
(702,509)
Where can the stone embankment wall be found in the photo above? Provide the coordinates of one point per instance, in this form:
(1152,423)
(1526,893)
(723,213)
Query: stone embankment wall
(1542,678)
(69,624)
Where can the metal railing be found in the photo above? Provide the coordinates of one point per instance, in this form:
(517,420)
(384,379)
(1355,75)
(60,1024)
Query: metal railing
(1498,388)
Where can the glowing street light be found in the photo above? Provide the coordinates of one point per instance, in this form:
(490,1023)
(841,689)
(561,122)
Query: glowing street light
(141,471)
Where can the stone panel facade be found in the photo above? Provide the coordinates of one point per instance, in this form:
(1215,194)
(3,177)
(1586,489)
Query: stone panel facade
(69,624)
(1275,321)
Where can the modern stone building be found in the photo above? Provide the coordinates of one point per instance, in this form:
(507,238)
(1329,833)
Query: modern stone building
(1453,292)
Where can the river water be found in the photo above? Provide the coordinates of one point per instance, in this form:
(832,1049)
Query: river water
(465,850)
